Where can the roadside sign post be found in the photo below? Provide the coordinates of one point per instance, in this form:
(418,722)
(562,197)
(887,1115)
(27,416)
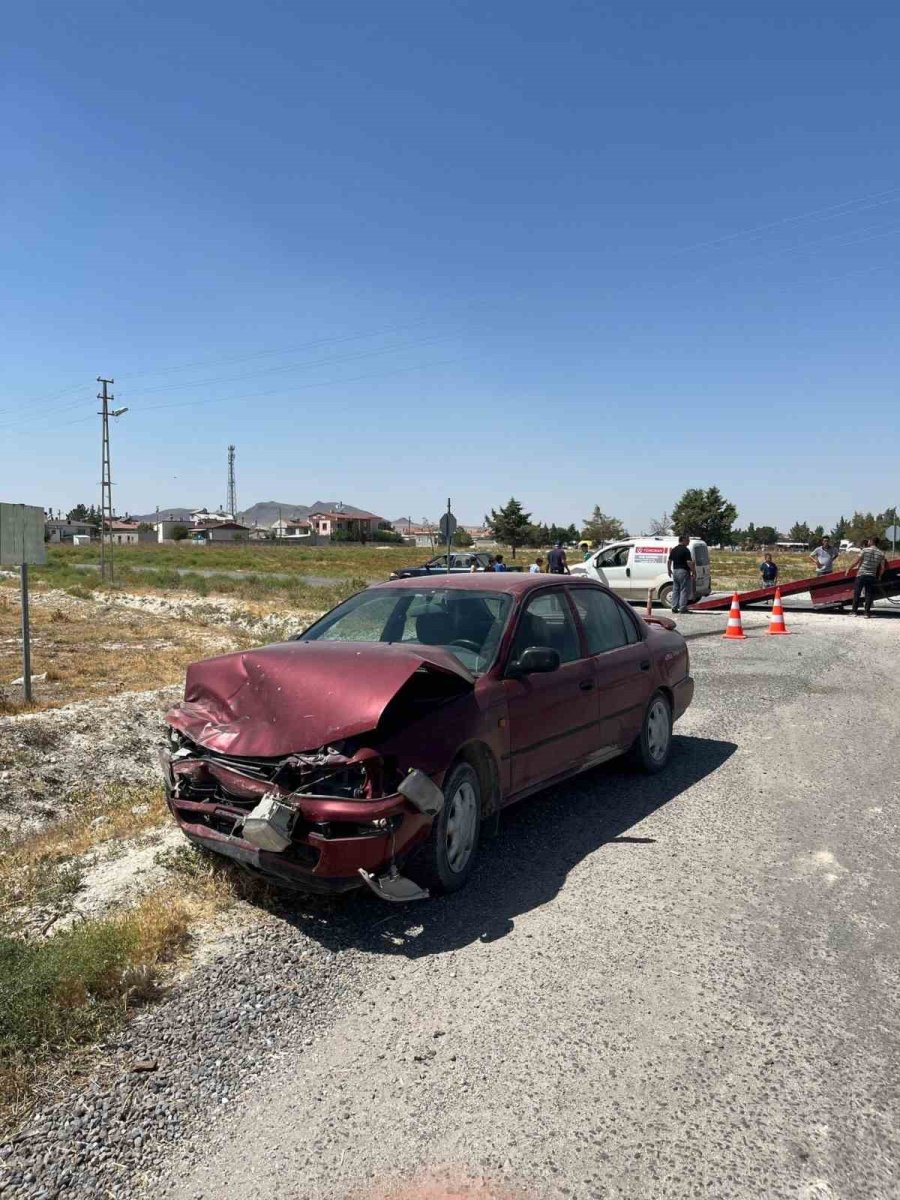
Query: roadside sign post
(448,528)
(21,543)
(893,532)
(26,633)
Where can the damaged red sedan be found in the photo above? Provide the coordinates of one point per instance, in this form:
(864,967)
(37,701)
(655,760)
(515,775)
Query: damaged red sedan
(373,747)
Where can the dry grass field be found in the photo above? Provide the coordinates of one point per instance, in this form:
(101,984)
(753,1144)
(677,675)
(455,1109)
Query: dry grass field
(739,569)
(85,650)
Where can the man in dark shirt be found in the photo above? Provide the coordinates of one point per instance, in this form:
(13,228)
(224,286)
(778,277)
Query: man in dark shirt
(556,561)
(768,571)
(683,574)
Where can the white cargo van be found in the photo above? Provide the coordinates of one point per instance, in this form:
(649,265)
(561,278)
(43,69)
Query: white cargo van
(634,566)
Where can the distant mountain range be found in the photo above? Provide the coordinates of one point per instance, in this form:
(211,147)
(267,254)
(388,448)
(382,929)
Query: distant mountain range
(265,512)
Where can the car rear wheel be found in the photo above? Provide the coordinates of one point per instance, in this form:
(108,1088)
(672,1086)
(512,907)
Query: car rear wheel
(665,595)
(445,862)
(654,745)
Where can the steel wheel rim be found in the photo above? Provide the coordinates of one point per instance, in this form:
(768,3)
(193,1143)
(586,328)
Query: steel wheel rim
(462,821)
(658,730)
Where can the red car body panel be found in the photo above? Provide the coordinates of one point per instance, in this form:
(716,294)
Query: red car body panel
(295,695)
(292,698)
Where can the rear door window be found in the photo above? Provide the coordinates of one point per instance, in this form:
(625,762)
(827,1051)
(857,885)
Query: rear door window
(701,554)
(547,621)
(607,625)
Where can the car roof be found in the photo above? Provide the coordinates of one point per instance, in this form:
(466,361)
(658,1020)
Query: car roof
(514,582)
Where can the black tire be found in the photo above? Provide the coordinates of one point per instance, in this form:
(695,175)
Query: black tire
(445,862)
(665,595)
(653,746)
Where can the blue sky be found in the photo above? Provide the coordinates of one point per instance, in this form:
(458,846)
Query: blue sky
(579,253)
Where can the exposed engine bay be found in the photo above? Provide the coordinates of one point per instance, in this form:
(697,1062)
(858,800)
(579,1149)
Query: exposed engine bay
(343,771)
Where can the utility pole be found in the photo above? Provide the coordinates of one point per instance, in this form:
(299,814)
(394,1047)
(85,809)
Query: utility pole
(231,501)
(106,504)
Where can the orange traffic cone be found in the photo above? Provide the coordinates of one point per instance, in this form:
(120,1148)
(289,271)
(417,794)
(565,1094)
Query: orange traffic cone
(776,621)
(734,629)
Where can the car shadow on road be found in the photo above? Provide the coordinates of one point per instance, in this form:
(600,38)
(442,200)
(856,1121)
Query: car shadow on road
(539,842)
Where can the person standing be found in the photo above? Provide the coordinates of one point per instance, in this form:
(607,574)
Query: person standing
(768,571)
(823,556)
(870,561)
(683,573)
(556,561)
(499,564)
(537,566)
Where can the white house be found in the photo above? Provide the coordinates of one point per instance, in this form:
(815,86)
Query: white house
(292,527)
(124,533)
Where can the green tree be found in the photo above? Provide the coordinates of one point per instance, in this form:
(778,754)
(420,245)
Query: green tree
(766,535)
(800,532)
(869,525)
(462,538)
(818,533)
(510,525)
(602,528)
(704,514)
(179,533)
(839,531)
(81,512)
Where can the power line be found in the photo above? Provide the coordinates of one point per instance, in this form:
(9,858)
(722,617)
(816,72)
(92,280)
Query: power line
(29,429)
(353,337)
(196,383)
(846,207)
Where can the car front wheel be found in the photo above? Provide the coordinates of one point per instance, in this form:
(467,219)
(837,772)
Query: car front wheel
(445,862)
(654,745)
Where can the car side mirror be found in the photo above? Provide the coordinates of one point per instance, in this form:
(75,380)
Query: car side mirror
(536,660)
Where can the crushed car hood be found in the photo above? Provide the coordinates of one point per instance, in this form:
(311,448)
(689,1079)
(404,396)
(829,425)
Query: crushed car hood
(296,696)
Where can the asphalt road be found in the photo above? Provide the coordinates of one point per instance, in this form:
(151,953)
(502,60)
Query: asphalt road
(672,987)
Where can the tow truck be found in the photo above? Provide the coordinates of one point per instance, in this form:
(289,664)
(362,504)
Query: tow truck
(833,590)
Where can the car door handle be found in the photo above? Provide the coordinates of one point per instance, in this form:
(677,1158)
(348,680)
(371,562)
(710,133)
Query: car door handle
(628,572)
(645,665)
(587,685)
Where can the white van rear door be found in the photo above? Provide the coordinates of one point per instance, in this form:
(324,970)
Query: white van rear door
(700,554)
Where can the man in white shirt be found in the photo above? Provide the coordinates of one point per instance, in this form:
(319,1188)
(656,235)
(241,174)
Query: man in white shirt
(823,556)
(537,567)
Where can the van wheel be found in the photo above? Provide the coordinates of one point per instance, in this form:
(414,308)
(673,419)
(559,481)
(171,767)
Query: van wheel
(664,595)
(445,862)
(652,748)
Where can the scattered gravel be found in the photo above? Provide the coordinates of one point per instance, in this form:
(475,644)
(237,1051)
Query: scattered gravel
(267,988)
(216,611)
(48,758)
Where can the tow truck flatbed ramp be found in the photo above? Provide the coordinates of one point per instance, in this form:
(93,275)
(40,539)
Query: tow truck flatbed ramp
(825,591)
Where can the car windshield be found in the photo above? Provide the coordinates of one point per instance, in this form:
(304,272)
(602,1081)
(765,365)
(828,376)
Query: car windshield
(467,623)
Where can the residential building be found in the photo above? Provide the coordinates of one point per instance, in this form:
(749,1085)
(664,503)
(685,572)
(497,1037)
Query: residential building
(293,527)
(219,531)
(200,516)
(124,533)
(59,531)
(356,525)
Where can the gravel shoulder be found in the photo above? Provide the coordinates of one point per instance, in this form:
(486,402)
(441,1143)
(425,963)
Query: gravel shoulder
(662,987)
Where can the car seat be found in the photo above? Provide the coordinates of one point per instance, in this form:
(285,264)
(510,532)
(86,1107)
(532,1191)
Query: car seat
(434,629)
